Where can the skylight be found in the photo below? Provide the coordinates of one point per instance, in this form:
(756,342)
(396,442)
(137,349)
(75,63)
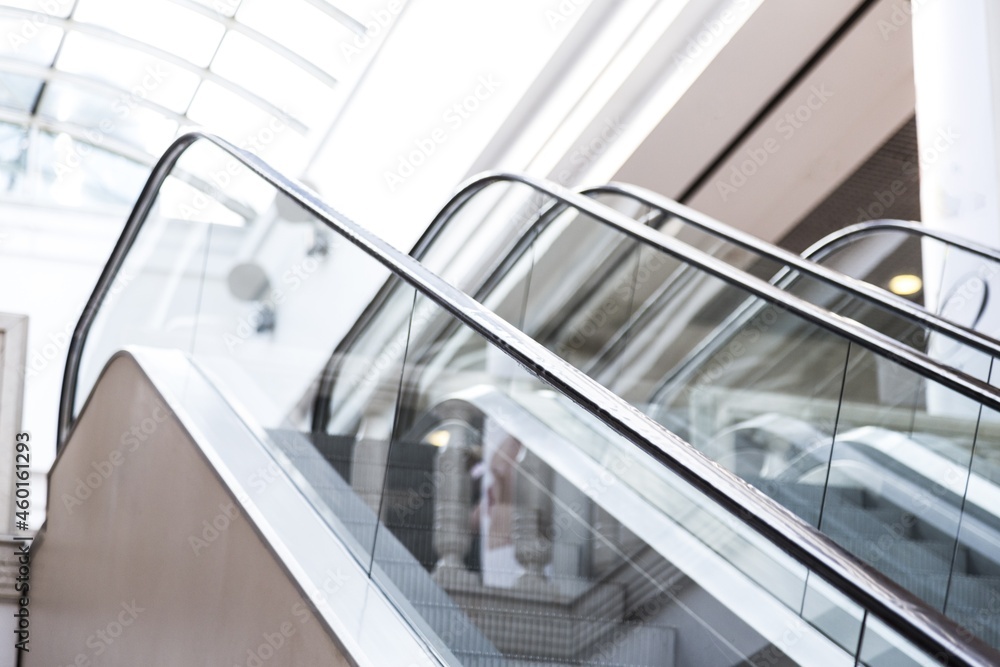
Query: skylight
(84,80)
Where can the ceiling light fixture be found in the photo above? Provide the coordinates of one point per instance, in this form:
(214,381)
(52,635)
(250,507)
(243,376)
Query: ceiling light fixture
(905,284)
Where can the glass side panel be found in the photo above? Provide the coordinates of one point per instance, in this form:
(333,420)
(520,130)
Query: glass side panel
(482,232)
(153,300)
(561,541)
(945,279)
(974,587)
(690,234)
(881,647)
(779,401)
(890,500)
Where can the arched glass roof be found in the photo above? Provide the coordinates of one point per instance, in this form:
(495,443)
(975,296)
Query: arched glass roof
(92,91)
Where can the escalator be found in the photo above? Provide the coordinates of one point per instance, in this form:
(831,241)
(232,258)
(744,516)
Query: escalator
(803,452)
(769,437)
(507,507)
(756,412)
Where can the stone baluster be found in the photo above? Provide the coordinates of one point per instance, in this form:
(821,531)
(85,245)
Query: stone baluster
(368,470)
(532,521)
(453,509)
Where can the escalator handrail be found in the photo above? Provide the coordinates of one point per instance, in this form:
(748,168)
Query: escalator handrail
(899,609)
(838,239)
(817,253)
(558,205)
(804,264)
(849,329)
(466,191)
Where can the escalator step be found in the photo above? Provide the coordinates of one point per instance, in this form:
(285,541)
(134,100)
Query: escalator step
(981,621)
(901,555)
(877,524)
(973,592)
(796,497)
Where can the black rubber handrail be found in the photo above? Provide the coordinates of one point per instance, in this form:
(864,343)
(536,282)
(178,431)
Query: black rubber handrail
(899,609)
(556,206)
(842,237)
(804,266)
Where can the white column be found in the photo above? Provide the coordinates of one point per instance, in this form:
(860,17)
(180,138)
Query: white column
(956,63)
(956,60)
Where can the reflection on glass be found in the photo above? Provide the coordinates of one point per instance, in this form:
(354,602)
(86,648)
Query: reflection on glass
(561,542)
(891,499)
(882,646)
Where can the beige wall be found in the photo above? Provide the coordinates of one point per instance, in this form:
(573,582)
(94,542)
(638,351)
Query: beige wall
(119,576)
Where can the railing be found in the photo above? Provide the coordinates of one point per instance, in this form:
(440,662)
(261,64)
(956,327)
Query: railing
(843,237)
(843,327)
(806,265)
(897,608)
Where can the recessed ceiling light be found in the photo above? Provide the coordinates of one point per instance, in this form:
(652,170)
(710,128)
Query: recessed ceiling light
(439,438)
(905,284)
